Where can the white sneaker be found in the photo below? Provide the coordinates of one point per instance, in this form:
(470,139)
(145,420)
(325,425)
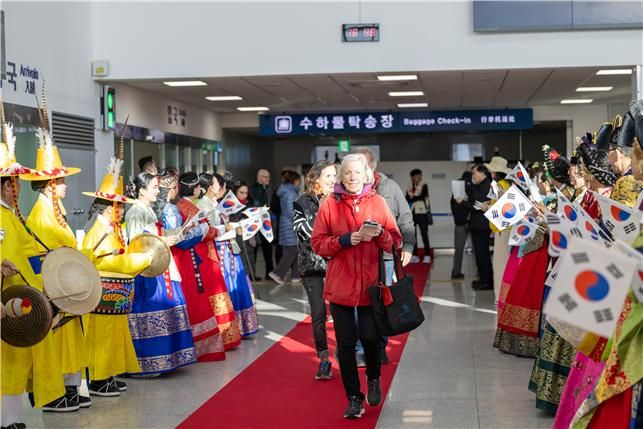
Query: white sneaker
(427,260)
(276,278)
(415,259)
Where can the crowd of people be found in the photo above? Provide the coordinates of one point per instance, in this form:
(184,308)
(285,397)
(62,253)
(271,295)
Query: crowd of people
(582,378)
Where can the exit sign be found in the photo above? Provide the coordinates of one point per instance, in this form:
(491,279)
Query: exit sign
(343,146)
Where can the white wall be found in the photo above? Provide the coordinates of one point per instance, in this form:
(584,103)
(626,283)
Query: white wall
(175,39)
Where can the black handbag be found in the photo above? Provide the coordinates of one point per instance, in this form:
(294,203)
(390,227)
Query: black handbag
(396,308)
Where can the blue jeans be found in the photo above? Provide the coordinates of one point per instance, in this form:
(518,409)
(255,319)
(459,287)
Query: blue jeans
(389,268)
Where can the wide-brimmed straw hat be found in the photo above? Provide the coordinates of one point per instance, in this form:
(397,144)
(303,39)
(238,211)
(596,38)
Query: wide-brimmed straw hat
(497,165)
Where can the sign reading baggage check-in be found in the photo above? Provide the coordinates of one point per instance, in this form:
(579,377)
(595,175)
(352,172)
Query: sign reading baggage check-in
(396,122)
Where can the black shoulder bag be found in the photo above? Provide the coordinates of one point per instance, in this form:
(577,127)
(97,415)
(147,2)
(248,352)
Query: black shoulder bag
(396,308)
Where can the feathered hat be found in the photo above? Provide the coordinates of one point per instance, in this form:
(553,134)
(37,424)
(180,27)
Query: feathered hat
(9,167)
(49,166)
(111,189)
(556,166)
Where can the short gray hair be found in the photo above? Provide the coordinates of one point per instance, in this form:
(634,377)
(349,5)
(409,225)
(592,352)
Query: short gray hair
(368,153)
(357,157)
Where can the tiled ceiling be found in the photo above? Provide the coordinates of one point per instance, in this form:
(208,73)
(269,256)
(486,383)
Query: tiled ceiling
(362,91)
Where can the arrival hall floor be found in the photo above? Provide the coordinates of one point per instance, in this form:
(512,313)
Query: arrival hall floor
(449,375)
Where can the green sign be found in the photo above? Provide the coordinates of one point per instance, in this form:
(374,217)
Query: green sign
(343,145)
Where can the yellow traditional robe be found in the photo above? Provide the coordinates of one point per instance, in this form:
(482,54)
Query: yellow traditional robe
(108,338)
(34,368)
(42,222)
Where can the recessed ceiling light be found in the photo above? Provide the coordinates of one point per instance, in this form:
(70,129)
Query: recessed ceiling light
(224,98)
(406,93)
(614,71)
(576,101)
(185,83)
(407,105)
(253,109)
(594,88)
(398,77)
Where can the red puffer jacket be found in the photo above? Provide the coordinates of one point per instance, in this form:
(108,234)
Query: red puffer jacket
(352,269)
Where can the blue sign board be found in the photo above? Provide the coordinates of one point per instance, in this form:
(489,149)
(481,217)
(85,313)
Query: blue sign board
(396,122)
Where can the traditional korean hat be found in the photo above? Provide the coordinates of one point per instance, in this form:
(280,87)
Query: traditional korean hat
(626,132)
(112,187)
(49,166)
(9,167)
(556,166)
(603,136)
(636,109)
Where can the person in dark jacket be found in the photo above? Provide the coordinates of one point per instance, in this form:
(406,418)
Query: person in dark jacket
(417,194)
(477,203)
(320,182)
(351,227)
(287,193)
(461,231)
(260,196)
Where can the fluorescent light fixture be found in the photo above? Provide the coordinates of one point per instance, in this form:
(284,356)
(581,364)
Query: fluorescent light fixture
(406,93)
(398,77)
(576,101)
(224,98)
(614,71)
(253,109)
(407,105)
(185,83)
(594,88)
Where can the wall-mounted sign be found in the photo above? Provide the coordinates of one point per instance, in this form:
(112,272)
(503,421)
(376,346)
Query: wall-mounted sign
(177,116)
(396,122)
(360,33)
(20,78)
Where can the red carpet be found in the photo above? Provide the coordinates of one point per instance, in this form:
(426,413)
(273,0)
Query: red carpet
(278,389)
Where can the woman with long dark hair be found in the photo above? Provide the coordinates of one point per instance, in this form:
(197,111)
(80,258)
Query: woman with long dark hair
(320,182)
(159,320)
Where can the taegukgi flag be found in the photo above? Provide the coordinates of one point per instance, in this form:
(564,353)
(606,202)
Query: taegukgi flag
(637,280)
(588,226)
(510,208)
(621,221)
(230,204)
(553,274)
(255,211)
(250,227)
(522,232)
(520,177)
(591,287)
(560,233)
(565,208)
(266,227)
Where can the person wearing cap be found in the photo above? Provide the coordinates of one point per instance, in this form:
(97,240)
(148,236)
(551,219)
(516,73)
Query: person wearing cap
(21,260)
(109,341)
(48,222)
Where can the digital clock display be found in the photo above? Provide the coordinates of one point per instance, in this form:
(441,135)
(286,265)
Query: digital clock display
(360,32)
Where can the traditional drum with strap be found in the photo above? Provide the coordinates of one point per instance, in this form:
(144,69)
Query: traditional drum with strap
(118,294)
(151,243)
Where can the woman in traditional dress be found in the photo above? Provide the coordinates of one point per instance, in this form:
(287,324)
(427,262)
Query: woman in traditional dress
(231,264)
(196,273)
(159,321)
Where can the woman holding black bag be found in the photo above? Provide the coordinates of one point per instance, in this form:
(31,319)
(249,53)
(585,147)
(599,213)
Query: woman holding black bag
(353,224)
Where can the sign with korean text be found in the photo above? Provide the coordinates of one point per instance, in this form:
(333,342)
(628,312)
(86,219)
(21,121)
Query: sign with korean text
(396,122)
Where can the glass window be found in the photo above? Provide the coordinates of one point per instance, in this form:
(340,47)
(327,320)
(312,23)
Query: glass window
(170,155)
(196,157)
(181,167)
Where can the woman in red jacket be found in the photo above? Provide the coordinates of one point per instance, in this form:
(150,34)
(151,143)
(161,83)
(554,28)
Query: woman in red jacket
(352,226)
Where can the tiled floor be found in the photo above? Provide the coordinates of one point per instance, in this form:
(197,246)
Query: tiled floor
(449,376)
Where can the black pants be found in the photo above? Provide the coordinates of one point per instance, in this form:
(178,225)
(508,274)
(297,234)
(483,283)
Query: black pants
(266,251)
(481,242)
(344,321)
(422,221)
(314,286)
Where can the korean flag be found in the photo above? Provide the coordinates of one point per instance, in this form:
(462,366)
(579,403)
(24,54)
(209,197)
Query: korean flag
(560,233)
(266,227)
(639,203)
(494,191)
(637,280)
(509,209)
(520,177)
(230,204)
(250,227)
(553,274)
(588,226)
(565,208)
(522,233)
(255,211)
(591,287)
(621,221)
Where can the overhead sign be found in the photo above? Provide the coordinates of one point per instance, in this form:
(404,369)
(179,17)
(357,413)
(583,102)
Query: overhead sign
(360,32)
(396,122)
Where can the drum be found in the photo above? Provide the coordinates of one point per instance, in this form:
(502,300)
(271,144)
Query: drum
(30,328)
(118,294)
(150,243)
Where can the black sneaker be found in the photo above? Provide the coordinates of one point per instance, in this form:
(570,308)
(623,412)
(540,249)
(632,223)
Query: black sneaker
(15,426)
(361,361)
(61,405)
(374,395)
(76,398)
(104,388)
(355,408)
(324,372)
(122,386)
(457,276)
(383,357)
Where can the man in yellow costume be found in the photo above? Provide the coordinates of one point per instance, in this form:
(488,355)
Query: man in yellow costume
(23,368)
(108,338)
(47,222)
